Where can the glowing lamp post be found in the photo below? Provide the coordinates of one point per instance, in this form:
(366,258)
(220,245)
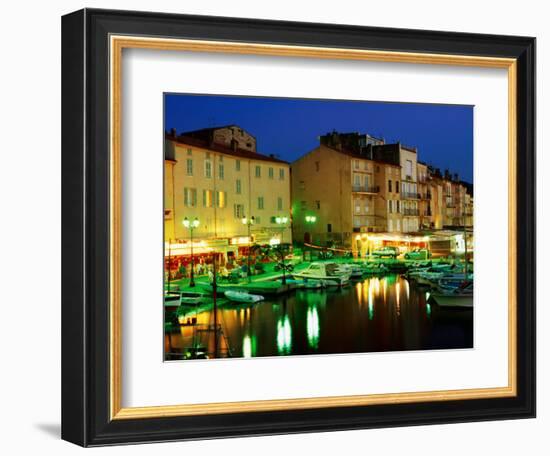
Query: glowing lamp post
(248,222)
(282,221)
(191,225)
(310,220)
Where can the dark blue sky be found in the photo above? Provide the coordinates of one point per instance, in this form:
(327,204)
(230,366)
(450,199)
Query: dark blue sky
(289,128)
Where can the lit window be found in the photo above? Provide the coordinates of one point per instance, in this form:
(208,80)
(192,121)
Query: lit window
(221,199)
(190,196)
(207,198)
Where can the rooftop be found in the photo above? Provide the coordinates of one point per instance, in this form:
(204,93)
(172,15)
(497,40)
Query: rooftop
(183,139)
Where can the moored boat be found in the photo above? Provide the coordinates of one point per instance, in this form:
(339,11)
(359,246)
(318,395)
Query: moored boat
(462,296)
(242,296)
(330,274)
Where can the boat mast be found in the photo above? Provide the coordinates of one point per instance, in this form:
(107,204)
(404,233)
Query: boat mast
(169,261)
(214,295)
(465,240)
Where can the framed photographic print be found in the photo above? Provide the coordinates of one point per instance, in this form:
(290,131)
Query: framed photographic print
(275,227)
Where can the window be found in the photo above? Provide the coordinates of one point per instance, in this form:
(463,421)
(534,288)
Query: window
(397,206)
(270,172)
(238,186)
(409,168)
(329,227)
(357,180)
(207,198)
(208,169)
(238,211)
(389,186)
(258,171)
(390,206)
(279,203)
(260,202)
(317,166)
(302,185)
(189,152)
(398,228)
(221,171)
(303,205)
(190,196)
(390,225)
(257,220)
(396,186)
(189,167)
(357,206)
(281,174)
(355,164)
(237,165)
(318,204)
(221,199)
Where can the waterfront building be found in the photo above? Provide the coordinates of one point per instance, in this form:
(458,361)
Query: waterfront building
(355,184)
(218,177)
(349,194)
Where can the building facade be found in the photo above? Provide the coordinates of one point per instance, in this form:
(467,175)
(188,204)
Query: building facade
(223,186)
(355,184)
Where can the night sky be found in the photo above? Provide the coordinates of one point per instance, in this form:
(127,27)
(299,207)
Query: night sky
(289,128)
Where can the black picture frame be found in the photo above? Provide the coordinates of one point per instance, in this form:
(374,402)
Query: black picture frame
(85,227)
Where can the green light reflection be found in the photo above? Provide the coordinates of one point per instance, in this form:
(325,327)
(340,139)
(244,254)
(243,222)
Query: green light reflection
(313,327)
(284,336)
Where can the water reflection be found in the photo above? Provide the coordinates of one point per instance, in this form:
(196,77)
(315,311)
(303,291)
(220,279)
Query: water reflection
(284,336)
(375,314)
(313,327)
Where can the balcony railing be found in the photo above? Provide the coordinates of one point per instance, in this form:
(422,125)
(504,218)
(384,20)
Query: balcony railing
(365,189)
(410,195)
(409,212)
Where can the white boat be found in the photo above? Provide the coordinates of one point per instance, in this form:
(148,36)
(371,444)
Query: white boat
(243,296)
(462,296)
(330,274)
(312,284)
(432,278)
(355,270)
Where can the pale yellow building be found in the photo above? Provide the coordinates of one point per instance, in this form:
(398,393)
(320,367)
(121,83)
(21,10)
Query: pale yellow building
(221,185)
(348,194)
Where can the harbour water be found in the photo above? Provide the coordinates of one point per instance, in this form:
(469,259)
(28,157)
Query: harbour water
(372,315)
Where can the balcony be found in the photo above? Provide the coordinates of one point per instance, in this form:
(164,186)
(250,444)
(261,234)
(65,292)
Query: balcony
(410,212)
(365,189)
(410,195)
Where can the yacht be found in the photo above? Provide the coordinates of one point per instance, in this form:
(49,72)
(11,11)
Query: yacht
(330,274)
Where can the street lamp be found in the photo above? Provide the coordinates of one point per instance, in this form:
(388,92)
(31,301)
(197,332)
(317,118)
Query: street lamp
(248,222)
(191,225)
(310,219)
(282,221)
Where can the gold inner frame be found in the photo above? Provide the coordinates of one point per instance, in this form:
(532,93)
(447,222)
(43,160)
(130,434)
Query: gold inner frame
(117,44)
